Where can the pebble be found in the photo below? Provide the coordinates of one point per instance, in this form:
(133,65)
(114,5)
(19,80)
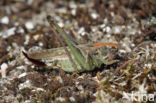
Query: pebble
(29,25)
(148,65)
(11,31)
(27,101)
(60,99)
(40,44)
(80,87)
(59,79)
(22,75)
(72,5)
(122,51)
(117,29)
(61,24)
(73,12)
(62,10)
(40,89)
(20,67)
(27,38)
(102,25)
(21,30)
(72,99)
(94,15)
(132,45)
(5,20)
(30,2)
(108,29)
(82,31)
(26,84)
(4,68)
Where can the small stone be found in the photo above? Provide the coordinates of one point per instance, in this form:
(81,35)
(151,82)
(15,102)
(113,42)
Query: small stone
(40,44)
(36,37)
(30,2)
(133,45)
(22,75)
(94,15)
(21,30)
(108,29)
(73,12)
(72,99)
(117,29)
(148,65)
(40,89)
(61,24)
(81,31)
(5,20)
(72,5)
(61,99)
(4,68)
(16,24)
(20,67)
(11,31)
(80,87)
(62,10)
(26,84)
(102,25)
(59,79)
(122,51)
(29,25)
(27,38)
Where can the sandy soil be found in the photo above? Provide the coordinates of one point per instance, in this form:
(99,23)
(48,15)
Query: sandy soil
(131,24)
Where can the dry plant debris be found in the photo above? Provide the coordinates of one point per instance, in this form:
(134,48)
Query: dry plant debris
(129,23)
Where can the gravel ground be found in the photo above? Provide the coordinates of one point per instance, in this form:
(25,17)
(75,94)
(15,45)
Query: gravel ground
(131,24)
